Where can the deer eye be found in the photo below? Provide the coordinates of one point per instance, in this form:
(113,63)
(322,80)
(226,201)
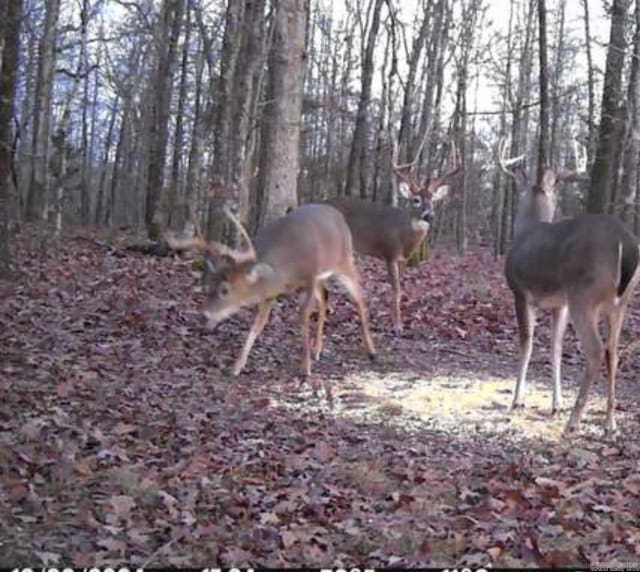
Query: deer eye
(223,290)
(416,201)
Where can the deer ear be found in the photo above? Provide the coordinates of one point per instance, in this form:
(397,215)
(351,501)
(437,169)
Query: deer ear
(549,182)
(258,272)
(404,189)
(440,193)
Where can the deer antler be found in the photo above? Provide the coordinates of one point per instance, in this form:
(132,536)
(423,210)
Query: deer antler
(409,180)
(506,162)
(216,249)
(580,156)
(455,167)
(249,253)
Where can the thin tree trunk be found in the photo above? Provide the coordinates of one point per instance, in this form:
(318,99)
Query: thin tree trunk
(105,162)
(543,141)
(85,190)
(8,69)
(591,116)
(169,30)
(178,135)
(358,145)
(610,121)
(632,149)
(37,196)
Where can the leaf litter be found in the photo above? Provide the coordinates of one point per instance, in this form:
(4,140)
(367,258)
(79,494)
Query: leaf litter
(124,438)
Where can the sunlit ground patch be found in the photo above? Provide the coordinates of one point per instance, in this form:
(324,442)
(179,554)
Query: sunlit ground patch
(462,404)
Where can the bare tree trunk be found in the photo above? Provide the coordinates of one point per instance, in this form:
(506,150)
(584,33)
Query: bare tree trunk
(591,117)
(246,88)
(85,190)
(610,121)
(632,148)
(221,165)
(166,42)
(37,196)
(358,145)
(405,134)
(178,135)
(190,215)
(281,120)
(500,184)
(558,73)
(543,141)
(8,67)
(105,163)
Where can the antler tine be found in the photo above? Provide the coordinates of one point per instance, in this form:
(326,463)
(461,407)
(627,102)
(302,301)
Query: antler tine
(414,188)
(580,153)
(580,159)
(249,253)
(455,167)
(505,162)
(198,244)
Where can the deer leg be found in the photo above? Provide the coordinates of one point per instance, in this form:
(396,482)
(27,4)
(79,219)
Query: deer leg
(306,305)
(615,319)
(585,319)
(526,324)
(320,293)
(559,320)
(349,279)
(258,325)
(394,279)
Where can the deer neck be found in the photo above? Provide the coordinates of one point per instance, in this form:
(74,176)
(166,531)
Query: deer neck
(535,207)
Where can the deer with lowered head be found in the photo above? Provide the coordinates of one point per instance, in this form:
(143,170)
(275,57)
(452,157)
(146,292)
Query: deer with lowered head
(295,253)
(393,234)
(584,268)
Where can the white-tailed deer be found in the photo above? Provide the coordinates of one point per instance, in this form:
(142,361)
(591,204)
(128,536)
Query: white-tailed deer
(393,234)
(297,252)
(584,268)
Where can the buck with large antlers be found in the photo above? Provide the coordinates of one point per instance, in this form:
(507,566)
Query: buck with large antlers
(297,252)
(584,268)
(393,234)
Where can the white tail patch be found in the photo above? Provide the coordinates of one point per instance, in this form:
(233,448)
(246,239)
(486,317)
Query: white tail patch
(616,300)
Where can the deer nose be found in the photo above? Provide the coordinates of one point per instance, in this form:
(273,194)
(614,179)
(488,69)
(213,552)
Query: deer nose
(427,216)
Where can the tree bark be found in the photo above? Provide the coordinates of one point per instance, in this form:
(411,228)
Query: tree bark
(610,120)
(281,119)
(166,42)
(359,142)
(8,67)
(591,114)
(632,148)
(543,141)
(37,196)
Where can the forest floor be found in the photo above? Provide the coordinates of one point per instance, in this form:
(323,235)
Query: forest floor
(124,439)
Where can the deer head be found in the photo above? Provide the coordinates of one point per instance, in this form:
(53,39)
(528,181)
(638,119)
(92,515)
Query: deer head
(540,200)
(233,277)
(422,196)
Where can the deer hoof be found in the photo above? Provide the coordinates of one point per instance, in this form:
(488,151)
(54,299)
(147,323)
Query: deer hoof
(373,356)
(517,406)
(611,430)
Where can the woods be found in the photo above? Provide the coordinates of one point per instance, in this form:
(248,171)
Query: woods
(195,194)
(149,108)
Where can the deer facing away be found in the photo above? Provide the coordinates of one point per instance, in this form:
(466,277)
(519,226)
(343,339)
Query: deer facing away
(393,234)
(295,253)
(584,268)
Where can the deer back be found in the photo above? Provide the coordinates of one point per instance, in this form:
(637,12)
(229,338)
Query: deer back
(382,231)
(311,240)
